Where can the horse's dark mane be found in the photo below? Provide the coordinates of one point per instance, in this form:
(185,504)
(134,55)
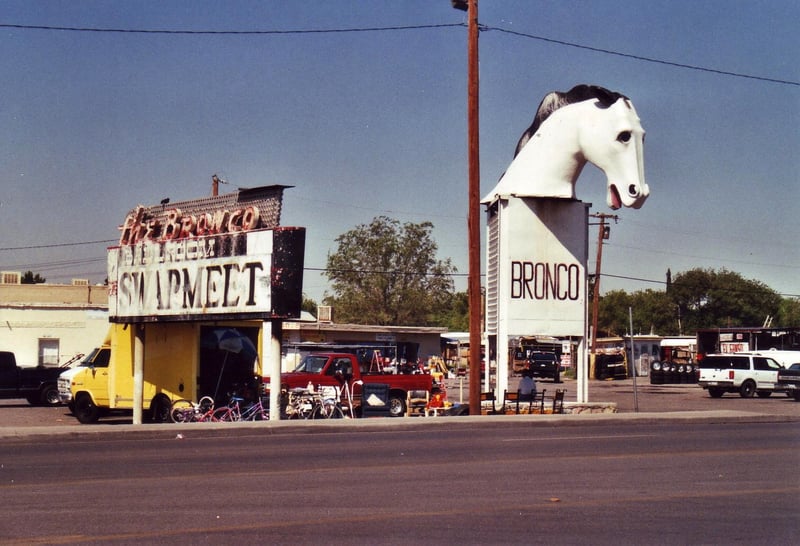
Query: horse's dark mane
(555,100)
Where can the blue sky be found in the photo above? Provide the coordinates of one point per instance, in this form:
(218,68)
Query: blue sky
(374,123)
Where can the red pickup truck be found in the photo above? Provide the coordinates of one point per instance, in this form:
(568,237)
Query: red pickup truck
(320,369)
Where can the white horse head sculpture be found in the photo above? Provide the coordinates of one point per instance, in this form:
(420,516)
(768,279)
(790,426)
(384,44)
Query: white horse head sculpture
(587,123)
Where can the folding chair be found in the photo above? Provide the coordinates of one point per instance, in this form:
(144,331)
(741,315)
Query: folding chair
(558,401)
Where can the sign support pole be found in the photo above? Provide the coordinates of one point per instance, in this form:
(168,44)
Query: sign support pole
(271,349)
(138,372)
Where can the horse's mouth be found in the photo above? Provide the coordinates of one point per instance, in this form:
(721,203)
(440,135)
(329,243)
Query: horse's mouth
(614,200)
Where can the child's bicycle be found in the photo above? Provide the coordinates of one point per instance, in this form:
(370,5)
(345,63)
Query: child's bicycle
(186,411)
(234,411)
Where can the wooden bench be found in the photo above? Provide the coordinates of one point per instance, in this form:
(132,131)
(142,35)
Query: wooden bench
(489,396)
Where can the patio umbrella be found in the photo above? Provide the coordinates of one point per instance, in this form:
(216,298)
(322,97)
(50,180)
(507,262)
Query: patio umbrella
(230,340)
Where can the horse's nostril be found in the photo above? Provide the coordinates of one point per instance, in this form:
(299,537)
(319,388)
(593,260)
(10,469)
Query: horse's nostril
(633,191)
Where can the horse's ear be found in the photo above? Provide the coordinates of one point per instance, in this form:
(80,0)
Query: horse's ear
(550,103)
(605,97)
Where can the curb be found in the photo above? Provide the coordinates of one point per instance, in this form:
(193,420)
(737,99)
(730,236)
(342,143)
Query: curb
(379,425)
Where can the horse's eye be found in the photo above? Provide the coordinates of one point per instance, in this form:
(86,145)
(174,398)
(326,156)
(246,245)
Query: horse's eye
(624,136)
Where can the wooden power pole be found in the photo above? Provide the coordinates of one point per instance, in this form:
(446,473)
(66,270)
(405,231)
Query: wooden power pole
(602,234)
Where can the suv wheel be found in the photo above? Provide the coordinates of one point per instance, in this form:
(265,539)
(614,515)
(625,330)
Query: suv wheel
(715,392)
(748,389)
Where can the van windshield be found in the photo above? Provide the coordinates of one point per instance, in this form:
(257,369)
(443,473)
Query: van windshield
(98,358)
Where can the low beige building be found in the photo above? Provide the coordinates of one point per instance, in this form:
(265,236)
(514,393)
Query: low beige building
(49,324)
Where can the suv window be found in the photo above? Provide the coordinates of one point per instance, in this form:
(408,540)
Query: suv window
(719,362)
(740,362)
(763,363)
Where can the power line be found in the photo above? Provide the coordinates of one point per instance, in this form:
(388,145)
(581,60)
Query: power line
(396,28)
(58,245)
(677,283)
(230,32)
(639,57)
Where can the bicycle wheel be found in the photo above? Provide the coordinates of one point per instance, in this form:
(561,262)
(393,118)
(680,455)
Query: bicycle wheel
(206,404)
(226,415)
(181,411)
(327,410)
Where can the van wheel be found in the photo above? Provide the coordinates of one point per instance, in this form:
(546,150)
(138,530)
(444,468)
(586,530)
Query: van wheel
(160,408)
(85,409)
(748,389)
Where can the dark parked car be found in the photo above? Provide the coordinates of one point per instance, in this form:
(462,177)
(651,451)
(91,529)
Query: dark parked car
(542,364)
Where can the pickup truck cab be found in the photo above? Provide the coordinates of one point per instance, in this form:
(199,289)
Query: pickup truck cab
(37,384)
(745,373)
(789,379)
(330,369)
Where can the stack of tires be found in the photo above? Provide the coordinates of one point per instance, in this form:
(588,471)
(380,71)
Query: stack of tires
(656,373)
(672,373)
(691,374)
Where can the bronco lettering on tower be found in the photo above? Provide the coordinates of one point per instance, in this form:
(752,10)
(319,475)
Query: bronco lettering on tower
(545,281)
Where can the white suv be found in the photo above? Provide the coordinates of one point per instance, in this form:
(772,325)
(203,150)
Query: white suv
(745,373)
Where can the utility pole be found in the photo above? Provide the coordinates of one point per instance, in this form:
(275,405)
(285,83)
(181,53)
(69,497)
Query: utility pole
(602,234)
(214,185)
(473,224)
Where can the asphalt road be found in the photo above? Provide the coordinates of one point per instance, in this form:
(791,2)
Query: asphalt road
(458,481)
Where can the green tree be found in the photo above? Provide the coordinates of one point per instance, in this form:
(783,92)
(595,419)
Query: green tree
(309,305)
(612,313)
(788,313)
(387,273)
(708,298)
(455,314)
(654,313)
(29,277)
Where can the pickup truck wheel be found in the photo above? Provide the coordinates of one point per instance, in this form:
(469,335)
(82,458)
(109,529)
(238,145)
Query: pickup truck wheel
(397,406)
(49,396)
(715,392)
(85,410)
(748,389)
(763,394)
